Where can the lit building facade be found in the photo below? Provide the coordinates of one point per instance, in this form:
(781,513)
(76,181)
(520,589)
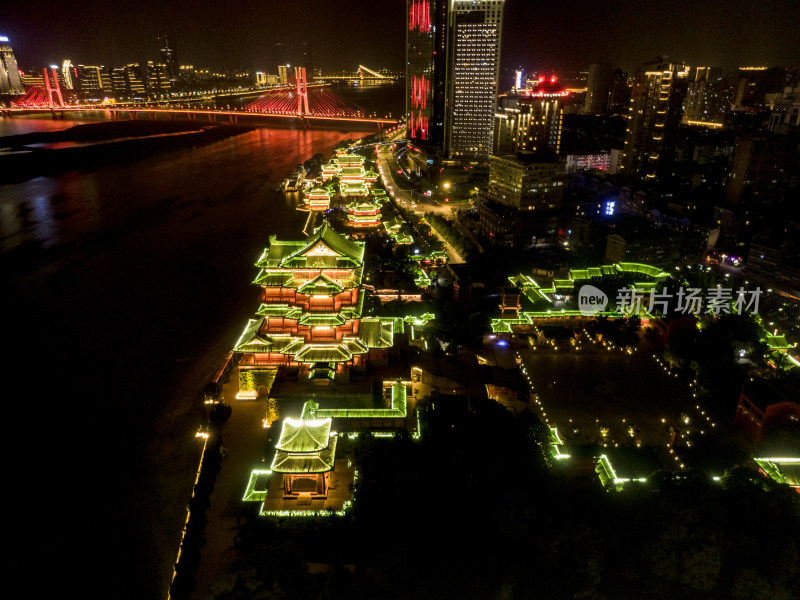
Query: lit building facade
(473,48)
(158,79)
(524,199)
(653,118)
(68,72)
(135,78)
(426,65)
(283,74)
(529,120)
(10,82)
(310,315)
(90,82)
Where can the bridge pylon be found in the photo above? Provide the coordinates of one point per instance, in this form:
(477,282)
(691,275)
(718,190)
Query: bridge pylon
(53,89)
(302,91)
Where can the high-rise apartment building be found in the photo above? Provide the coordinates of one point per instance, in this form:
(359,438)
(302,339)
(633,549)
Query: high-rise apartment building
(525,195)
(620,94)
(283,74)
(473,65)
(158,80)
(90,82)
(10,82)
(136,79)
(598,89)
(169,57)
(653,118)
(530,119)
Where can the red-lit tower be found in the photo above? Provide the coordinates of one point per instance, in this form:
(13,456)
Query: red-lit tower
(426,24)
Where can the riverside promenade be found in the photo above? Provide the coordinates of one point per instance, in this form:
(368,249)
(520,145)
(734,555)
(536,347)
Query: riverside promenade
(245,441)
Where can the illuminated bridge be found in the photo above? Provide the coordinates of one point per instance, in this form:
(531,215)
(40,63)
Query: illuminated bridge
(299,101)
(363,74)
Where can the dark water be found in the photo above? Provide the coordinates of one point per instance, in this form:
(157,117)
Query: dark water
(122,288)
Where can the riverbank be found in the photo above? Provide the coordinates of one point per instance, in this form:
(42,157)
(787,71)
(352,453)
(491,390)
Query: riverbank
(26,156)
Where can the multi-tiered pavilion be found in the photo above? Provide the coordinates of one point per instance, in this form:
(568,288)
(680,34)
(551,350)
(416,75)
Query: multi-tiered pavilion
(310,318)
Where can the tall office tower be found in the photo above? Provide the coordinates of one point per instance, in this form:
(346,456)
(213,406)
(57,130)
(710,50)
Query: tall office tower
(10,82)
(279,56)
(426,65)
(308,61)
(68,72)
(473,67)
(654,116)
(530,119)
(598,89)
(169,57)
(158,77)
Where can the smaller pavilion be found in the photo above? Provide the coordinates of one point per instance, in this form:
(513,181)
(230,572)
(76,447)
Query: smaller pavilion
(318,199)
(305,456)
(364,213)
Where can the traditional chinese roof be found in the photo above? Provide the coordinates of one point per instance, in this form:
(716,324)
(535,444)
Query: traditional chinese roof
(352,172)
(318,320)
(298,435)
(252,341)
(376,333)
(348,159)
(305,447)
(321,284)
(311,353)
(324,246)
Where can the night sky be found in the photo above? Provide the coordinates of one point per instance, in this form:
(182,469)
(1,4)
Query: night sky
(537,34)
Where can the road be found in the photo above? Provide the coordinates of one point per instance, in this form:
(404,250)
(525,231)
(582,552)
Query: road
(401,191)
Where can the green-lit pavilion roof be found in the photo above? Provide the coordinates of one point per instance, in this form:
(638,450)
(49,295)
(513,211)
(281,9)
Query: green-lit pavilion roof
(324,242)
(305,447)
(348,159)
(323,353)
(252,341)
(298,435)
(376,333)
(322,320)
(321,284)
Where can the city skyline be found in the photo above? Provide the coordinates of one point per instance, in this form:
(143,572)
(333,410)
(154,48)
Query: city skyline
(735,33)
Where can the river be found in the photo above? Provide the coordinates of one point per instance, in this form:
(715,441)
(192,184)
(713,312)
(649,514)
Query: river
(122,287)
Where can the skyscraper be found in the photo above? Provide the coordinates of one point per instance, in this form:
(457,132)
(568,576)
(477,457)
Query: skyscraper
(426,27)
(10,82)
(653,117)
(598,89)
(279,56)
(169,56)
(473,66)
(308,61)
